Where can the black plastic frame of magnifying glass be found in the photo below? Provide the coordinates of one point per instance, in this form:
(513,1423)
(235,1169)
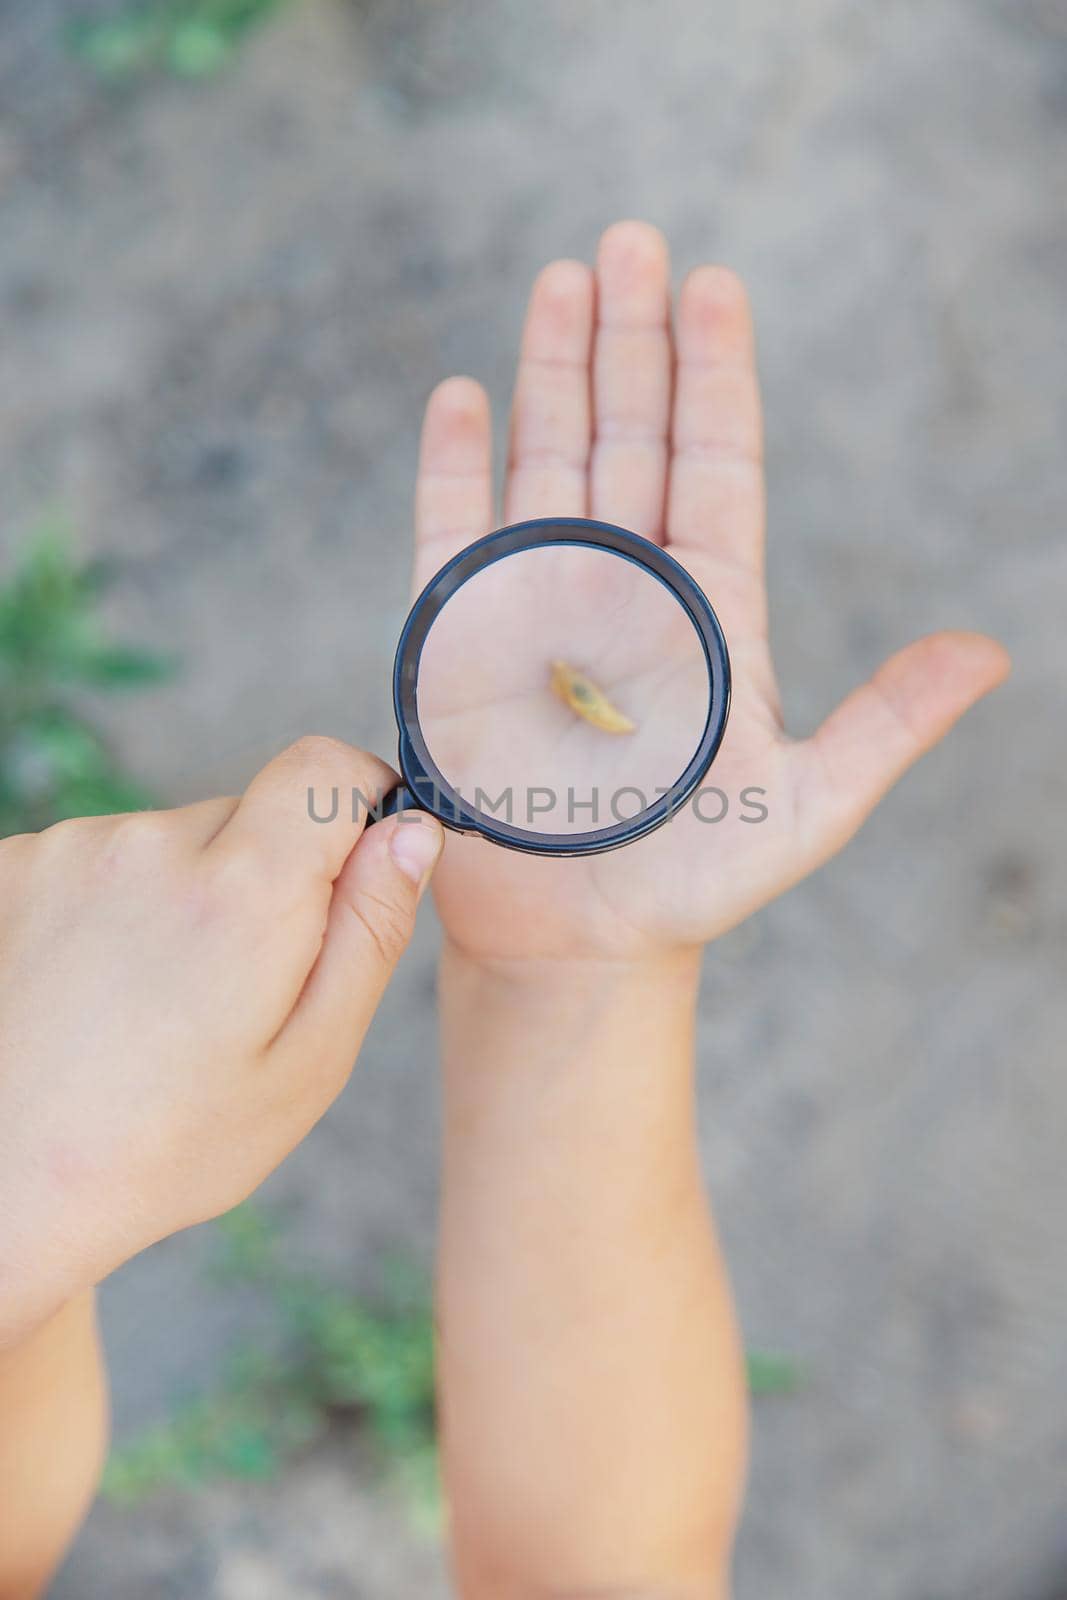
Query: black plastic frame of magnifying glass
(426,789)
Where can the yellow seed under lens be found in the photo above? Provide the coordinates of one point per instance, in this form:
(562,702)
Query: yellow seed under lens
(587,701)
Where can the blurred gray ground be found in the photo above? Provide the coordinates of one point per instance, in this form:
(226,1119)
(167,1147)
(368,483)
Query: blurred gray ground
(223,306)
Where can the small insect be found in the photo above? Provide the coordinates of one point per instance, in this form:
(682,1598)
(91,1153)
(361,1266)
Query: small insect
(587,701)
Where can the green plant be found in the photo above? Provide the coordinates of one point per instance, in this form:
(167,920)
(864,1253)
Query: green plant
(190,38)
(339,1355)
(772,1374)
(53,648)
(244,1431)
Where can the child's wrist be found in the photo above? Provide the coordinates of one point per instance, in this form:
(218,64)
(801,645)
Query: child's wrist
(548,979)
(44,1256)
(609,1045)
(539,1015)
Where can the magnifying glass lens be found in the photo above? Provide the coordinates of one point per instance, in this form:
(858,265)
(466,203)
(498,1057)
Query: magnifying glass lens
(562,690)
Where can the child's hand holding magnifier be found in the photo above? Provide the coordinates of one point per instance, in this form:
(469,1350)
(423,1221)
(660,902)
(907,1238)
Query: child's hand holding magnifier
(183,994)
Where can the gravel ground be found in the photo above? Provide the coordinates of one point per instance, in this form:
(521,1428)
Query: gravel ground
(223,306)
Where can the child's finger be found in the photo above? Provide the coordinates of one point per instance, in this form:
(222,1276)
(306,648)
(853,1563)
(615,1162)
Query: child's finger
(877,733)
(631,379)
(551,413)
(715,501)
(371,918)
(454,487)
(299,818)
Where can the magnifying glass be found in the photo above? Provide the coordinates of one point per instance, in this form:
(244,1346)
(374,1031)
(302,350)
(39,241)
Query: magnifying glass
(561,687)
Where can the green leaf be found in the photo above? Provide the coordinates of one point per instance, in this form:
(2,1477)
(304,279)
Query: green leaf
(197,49)
(190,38)
(53,762)
(122,667)
(118,48)
(248,1240)
(99,797)
(772,1374)
(67,751)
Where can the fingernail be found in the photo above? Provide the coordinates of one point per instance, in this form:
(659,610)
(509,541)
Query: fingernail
(415,846)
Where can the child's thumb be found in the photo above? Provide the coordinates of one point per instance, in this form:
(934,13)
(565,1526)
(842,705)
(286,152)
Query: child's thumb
(371,919)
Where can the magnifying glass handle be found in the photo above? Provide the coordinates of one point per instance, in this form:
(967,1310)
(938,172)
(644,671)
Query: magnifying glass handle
(398,799)
(403,799)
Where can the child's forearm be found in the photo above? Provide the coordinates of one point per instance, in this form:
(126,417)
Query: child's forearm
(591,1382)
(53,1432)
